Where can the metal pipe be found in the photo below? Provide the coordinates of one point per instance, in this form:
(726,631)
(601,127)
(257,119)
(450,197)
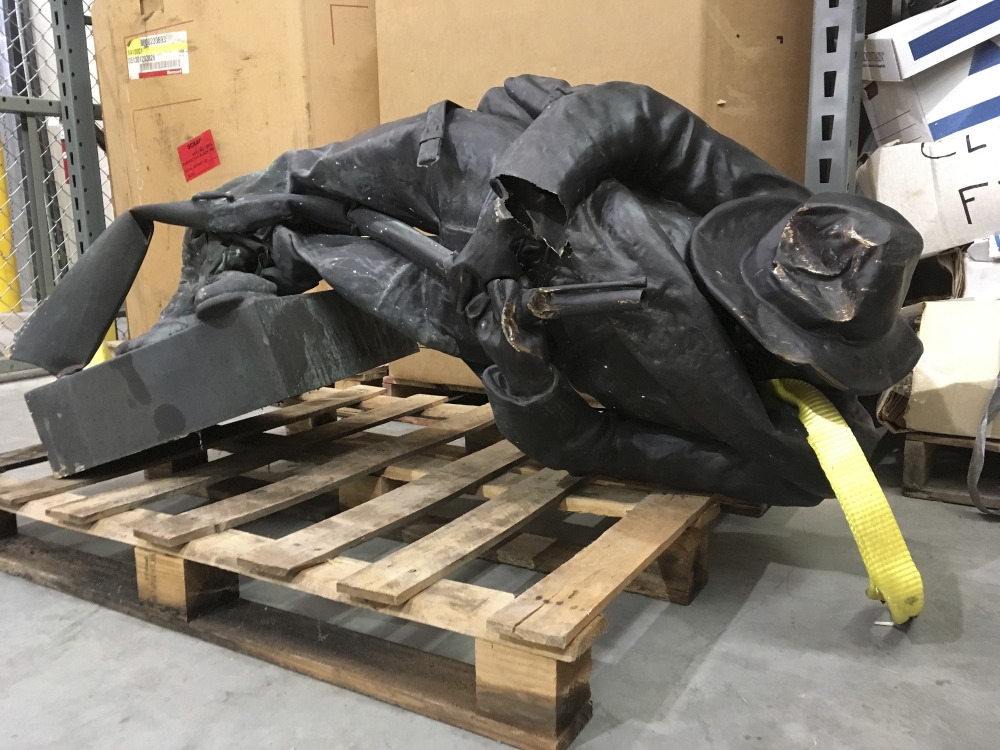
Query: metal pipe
(10,285)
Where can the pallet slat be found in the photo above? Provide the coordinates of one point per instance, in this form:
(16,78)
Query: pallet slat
(249,506)
(15,459)
(443,410)
(559,606)
(286,415)
(522,550)
(414,467)
(955,441)
(82,510)
(329,538)
(397,577)
(587,497)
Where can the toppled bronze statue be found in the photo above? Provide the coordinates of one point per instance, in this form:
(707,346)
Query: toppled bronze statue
(708,273)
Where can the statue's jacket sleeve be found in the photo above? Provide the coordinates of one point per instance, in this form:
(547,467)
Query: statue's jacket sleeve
(576,177)
(633,134)
(379,169)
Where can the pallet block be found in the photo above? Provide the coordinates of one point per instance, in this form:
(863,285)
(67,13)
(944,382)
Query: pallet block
(533,692)
(8,524)
(530,685)
(185,586)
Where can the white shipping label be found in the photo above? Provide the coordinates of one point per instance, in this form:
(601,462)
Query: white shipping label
(879,61)
(158,55)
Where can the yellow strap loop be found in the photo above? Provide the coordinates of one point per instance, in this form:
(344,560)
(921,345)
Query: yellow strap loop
(104,353)
(894,579)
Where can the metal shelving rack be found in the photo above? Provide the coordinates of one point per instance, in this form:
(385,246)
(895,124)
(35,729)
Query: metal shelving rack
(50,212)
(838,39)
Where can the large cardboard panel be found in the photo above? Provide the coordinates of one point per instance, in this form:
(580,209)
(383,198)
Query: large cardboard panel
(744,67)
(262,80)
(341,78)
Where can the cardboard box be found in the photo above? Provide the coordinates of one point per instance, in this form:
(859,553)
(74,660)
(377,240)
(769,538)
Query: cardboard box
(431,366)
(987,250)
(927,39)
(958,97)
(262,78)
(981,278)
(947,190)
(954,378)
(746,71)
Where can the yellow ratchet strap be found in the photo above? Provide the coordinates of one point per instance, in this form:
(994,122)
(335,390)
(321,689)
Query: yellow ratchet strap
(894,579)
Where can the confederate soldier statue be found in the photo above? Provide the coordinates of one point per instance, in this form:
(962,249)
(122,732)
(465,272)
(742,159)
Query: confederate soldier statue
(749,277)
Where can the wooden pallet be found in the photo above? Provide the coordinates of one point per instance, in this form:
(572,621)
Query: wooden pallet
(922,479)
(530,683)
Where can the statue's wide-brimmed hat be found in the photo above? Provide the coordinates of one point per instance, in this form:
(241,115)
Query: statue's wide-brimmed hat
(819,283)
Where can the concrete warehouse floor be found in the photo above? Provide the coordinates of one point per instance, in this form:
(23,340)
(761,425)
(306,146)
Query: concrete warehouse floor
(781,650)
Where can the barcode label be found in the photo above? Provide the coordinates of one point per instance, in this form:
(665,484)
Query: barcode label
(154,41)
(159,65)
(158,55)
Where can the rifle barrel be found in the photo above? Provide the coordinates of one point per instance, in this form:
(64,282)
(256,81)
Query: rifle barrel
(545,305)
(402,238)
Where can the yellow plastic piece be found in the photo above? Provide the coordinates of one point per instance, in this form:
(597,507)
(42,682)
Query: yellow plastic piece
(894,579)
(10,286)
(104,353)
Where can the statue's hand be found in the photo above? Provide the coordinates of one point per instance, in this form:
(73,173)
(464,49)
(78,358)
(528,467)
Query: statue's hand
(520,352)
(499,248)
(228,290)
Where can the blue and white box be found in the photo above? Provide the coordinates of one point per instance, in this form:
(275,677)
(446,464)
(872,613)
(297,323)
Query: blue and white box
(953,98)
(922,41)
(935,75)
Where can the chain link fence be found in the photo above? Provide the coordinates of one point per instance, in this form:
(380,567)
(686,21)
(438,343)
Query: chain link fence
(37,236)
